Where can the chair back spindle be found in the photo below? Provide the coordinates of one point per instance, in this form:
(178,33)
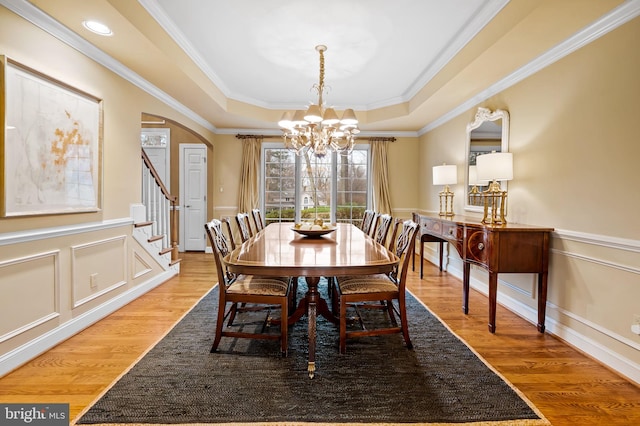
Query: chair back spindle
(242,219)
(227,225)
(404,244)
(257,219)
(384,223)
(367,221)
(220,247)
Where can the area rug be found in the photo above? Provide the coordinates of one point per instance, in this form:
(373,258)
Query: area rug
(379,381)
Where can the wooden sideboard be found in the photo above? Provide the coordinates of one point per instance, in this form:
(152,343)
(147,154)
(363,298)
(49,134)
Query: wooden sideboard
(508,248)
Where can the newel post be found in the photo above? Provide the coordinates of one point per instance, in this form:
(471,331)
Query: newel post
(174,229)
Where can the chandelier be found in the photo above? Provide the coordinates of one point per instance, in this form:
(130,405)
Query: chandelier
(318,129)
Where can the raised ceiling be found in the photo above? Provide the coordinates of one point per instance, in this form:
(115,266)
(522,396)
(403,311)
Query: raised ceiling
(402,64)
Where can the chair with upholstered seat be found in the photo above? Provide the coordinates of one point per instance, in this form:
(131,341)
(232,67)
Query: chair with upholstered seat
(355,290)
(245,289)
(381,232)
(257,219)
(244,226)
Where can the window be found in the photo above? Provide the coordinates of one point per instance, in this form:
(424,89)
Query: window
(334,188)
(352,182)
(279,195)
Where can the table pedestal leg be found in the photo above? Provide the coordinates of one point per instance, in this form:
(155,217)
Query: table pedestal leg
(312,305)
(312,298)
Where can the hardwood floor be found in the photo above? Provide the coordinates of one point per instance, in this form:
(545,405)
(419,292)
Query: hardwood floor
(568,387)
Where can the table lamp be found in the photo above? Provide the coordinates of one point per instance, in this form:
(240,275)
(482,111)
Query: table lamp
(494,167)
(445,175)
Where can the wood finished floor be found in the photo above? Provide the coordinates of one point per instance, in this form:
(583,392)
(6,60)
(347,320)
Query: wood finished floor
(569,388)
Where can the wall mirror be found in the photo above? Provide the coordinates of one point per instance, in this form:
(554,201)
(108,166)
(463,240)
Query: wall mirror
(488,132)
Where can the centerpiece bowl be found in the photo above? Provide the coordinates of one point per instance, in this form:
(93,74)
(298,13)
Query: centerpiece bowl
(315,230)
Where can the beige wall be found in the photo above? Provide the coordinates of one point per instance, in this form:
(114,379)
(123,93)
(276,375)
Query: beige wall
(574,140)
(46,262)
(226,175)
(404,166)
(402,161)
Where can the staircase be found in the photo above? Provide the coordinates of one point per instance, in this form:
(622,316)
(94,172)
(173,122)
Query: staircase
(155,220)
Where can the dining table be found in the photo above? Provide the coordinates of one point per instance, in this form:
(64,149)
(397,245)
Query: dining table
(282,249)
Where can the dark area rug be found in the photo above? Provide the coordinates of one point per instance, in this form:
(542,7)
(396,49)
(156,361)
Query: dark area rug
(378,381)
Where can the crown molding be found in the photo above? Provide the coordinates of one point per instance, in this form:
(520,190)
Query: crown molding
(480,19)
(617,17)
(40,19)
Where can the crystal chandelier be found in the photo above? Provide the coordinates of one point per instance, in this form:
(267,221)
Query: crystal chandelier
(318,129)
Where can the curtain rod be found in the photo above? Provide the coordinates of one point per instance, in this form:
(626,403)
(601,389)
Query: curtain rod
(365,138)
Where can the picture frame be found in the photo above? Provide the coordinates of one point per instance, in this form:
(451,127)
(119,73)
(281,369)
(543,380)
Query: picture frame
(50,145)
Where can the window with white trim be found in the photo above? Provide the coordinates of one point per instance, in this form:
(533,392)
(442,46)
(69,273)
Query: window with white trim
(335,188)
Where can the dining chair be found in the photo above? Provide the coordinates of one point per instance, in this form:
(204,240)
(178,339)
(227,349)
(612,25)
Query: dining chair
(244,226)
(384,223)
(294,281)
(354,290)
(257,219)
(238,289)
(382,229)
(227,224)
(394,233)
(333,292)
(374,224)
(367,221)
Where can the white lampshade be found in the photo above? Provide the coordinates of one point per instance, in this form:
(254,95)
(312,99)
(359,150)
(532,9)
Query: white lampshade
(330,117)
(349,117)
(495,166)
(313,114)
(286,120)
(298,118)
(445,174)
(473,177)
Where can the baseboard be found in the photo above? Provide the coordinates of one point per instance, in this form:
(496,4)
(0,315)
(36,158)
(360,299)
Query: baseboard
(622,365)
(23,354)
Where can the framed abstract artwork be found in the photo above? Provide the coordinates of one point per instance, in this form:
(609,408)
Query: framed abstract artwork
(50,146)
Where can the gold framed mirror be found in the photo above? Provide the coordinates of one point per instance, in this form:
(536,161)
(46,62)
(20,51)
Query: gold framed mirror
(488,132)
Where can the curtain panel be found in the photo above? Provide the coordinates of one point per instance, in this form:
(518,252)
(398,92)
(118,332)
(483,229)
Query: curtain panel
(380,177)
(249,193)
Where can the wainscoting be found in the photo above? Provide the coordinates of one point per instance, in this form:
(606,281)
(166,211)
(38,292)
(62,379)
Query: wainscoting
(57,281)
(592,298)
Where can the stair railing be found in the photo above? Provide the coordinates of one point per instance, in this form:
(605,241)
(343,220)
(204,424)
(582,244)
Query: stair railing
(160,207)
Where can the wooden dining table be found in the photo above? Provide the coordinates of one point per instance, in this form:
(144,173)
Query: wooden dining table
(279,250)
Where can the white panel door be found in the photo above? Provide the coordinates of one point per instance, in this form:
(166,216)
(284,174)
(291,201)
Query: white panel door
(194,195)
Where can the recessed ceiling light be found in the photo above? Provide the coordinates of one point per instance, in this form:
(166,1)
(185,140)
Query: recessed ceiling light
(97,27)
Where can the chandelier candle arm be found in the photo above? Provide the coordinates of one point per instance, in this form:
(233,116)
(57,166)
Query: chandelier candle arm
(318,129)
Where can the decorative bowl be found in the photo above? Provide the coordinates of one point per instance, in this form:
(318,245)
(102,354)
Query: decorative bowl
(313,233)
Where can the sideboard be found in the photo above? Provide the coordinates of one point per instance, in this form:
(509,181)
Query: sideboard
(506,248)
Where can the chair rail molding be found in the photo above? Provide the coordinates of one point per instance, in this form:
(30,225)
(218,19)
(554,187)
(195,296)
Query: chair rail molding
(61,231)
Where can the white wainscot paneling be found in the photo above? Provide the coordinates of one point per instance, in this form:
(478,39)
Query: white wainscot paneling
(20,280)
(97,268)
(591,263)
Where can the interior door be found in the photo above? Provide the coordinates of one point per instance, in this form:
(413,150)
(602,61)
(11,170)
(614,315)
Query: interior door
(193,195)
